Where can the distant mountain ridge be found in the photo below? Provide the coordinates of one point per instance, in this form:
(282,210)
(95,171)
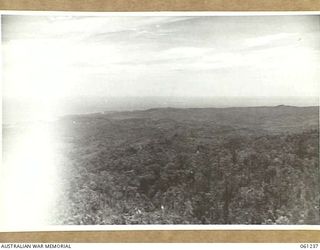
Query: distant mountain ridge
(29,109)
(280,118)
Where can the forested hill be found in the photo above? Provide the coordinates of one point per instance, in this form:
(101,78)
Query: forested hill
(255,165)
(269,119)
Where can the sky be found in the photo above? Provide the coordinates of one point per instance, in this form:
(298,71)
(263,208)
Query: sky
(69,56)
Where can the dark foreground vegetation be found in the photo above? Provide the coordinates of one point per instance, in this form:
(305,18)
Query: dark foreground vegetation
(191,166)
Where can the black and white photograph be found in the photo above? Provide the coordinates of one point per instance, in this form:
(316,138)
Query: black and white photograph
(159,119)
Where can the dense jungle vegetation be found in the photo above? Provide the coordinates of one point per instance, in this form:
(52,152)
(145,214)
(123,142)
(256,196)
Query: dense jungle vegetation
(257,165)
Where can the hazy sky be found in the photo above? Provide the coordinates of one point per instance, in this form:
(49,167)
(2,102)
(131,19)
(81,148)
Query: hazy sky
(161,56)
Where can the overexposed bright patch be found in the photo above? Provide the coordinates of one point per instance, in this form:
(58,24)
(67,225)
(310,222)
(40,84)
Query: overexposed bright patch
(38,69)
(55,68)
(28,178)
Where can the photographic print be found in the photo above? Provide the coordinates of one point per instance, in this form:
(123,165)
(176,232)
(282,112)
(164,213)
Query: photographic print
(124,119)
